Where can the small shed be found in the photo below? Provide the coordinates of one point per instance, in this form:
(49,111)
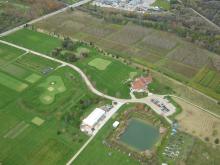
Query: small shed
(115,124)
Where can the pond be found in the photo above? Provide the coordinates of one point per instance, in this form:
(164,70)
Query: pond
(140,135)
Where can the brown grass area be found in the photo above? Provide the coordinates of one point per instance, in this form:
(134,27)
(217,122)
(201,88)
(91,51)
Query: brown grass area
(159,40)
(190,55)
(197,122)
(180,68)
(130,34)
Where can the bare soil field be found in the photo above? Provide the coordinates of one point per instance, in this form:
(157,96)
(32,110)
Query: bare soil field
(197,122)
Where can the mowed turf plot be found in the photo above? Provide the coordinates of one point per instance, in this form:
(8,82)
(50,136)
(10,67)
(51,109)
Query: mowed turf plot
(8,53)
(12,83)
(52,86)
(99,63)
(36,63)
(33,40)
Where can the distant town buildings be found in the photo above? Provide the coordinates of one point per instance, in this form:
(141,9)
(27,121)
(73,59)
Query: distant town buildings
(130,5)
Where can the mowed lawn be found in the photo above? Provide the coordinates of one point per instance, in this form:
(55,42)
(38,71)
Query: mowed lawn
(8,53)
(57,139)
(107,74)
(33,40)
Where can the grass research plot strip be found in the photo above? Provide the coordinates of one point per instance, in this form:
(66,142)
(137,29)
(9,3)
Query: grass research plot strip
(99,63)
(18,129)
(12,83)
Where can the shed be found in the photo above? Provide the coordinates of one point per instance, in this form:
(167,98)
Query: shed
(115,124)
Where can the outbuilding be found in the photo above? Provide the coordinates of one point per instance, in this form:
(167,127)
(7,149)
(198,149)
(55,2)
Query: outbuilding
(115,124)
(94,117)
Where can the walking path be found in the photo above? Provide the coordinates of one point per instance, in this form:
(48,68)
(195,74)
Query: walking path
(77,4)
(146,100)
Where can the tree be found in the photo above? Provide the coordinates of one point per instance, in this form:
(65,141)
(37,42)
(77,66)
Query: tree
(217,141)
(72,58)
(68,44)
(85,54)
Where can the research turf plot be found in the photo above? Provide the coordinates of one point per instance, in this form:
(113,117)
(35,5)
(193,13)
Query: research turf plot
(37,121)
(99,63)
(52,86)
(32,78)
(12,83)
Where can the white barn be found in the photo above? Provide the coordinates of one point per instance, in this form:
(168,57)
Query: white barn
(92,120)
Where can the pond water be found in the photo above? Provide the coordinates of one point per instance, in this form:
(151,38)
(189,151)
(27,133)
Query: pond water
(140,135)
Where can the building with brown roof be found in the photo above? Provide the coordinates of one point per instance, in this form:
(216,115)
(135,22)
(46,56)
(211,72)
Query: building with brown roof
(140,84)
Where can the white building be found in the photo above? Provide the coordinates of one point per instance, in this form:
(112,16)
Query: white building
(89,123)
(115,124)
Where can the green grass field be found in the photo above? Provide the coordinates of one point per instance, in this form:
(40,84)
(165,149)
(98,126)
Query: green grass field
(32,78)
(8,54)
(99,63)
(35,133)
(106,74)
(111,76)
(33,40)
(52,86)
(12,83)
(54,141)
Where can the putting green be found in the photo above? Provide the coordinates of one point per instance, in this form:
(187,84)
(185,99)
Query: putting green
(37,121)
(33,78)
(99,63)
(53,85)
(12,83)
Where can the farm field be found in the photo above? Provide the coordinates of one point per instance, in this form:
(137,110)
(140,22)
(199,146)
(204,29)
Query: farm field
(197,122)
(38,133)
(159,50)
(208,152)
(33,40)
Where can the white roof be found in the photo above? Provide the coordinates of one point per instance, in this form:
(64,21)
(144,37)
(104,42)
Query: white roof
(94,117)
(115,124)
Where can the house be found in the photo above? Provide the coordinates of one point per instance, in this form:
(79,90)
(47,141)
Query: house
(89,123)
(140,84)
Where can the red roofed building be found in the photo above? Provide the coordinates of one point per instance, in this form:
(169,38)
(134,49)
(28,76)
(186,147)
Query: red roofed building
(140,84)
